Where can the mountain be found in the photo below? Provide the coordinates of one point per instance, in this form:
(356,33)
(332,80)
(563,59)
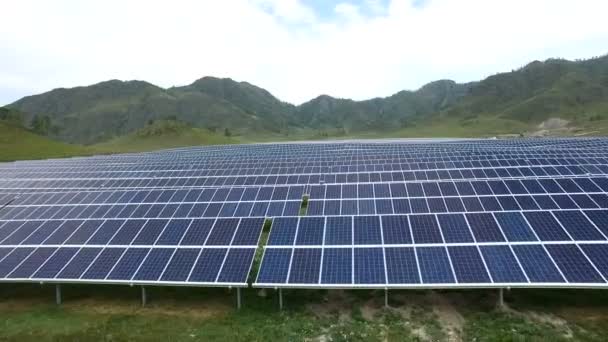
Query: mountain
(576,91)
(380,113)
(540,90)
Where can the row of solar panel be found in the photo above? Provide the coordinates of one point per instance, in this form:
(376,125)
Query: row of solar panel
(133,265)
(281,168)
(519,172)
(345,191)
(461,188)
(404,153)
(455,204)
(185,210)
(158,232)
(507,265)
(566,225)
(238,194)
(339,152)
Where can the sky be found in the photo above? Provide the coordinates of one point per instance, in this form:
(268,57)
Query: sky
(296,49)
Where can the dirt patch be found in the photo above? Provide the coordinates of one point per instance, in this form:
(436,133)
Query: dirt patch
(450,319)
(210,309)
(420,333)
(558,323)
(553,123)
(337,302)
(371,308)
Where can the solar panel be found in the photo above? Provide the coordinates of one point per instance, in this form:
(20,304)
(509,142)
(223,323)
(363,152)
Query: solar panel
(474,213)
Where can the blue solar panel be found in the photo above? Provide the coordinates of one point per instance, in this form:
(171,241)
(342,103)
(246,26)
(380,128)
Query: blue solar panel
(339,231)
(599,218)
(305,266)
(367,230)
(181,263)
(515,227)
(401,266)
(222,232)
(369,266)
(598,253)
(208,265)
(55,263)
(454,228)
(396,229)
(283,231)
(573,264)
(537,264)
(484,228)
(435,265)
(468,264)
(104,263)
(235,270)
(502,264)
(578,226)
(425,229)
(248,232)
(310,231)
(546,226)
(174,231)
(31,263)
(337,266)
(197,232)
(79,264)
(275,265)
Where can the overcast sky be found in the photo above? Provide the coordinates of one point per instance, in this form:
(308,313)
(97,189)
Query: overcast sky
(296,49)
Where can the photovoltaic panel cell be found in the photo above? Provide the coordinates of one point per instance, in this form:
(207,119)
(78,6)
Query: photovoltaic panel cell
(235,270)
(283,231)
(208,265)
(401,266)
(578,226)
(455,228)
(339,230)
(484,227)
(275,265)
(468,264)
(367,230)
(502,264)
(369,266)
(305,266)
(310,231)
(425,229)
(435,265)
(537,264)
(573,264)
(515,227)
(396,229)
(546,226)
(337,266)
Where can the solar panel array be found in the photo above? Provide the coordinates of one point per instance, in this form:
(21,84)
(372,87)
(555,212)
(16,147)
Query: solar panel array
(399,214)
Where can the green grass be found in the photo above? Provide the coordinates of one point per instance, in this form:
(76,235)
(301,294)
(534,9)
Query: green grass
(17,143)
(161,135)
(113,313)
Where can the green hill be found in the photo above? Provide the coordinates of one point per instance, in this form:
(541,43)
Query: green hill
(17,143)
(510,102)
(160,135)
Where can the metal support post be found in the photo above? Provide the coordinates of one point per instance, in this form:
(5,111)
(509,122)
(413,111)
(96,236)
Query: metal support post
(501,299)
(144,296)
(386,298)
(238,298)
(280,299)
(58,294)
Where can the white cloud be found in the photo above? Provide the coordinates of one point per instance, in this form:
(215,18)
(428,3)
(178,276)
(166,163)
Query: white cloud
(364,51)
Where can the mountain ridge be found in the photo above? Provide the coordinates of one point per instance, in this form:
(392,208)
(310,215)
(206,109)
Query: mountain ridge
(113,108)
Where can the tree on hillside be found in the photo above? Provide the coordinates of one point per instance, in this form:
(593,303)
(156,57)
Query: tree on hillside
(41,124)
(227,132)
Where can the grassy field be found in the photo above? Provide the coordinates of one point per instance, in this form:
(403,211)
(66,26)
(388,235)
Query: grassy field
(17,143)
(112,313)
